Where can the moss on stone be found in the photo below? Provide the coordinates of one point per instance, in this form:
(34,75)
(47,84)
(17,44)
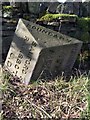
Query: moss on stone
(50,17)
(7,8)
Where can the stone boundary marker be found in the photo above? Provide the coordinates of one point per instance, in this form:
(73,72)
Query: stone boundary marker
(37,50)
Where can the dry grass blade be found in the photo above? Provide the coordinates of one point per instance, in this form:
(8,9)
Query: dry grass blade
(39,108)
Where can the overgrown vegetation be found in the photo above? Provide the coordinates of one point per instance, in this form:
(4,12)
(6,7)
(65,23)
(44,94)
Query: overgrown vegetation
(84,25)
(46,99)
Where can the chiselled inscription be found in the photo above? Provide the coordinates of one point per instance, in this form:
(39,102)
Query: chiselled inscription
(25,68)
(18,61)
(12,55)
(9,64)
(35,48)
(34,44)
(16,66)
(26,38)
(20,56)
(27,61)
(45,31)
(51,34)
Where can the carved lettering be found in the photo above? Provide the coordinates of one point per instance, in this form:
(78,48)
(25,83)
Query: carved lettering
(15,72)
(25,67)
(30,52)
(11,55)
(33,27)
(24,71)
(26,38)
(28,25)
(16,66)
(44,31)
(18,61)
(39,29)
(20,56)
(31,49)
(34,44)
(69,40)
(27,61)
(49,33)
(55,35)
(9,64)
(60,37)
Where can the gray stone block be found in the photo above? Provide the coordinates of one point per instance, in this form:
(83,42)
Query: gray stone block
(36,50)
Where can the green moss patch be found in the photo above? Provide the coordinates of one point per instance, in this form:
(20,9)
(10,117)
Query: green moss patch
(50,17)
(7,8)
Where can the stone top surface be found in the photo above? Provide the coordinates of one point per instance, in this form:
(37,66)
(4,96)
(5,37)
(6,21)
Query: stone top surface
(46,37)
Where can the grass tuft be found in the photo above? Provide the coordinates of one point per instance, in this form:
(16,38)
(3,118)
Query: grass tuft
(48,99)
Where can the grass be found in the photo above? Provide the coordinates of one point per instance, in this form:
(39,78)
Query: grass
(1,115)
(4,85)
(47,99)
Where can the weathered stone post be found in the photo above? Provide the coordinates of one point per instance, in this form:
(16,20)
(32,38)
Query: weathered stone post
(36,49)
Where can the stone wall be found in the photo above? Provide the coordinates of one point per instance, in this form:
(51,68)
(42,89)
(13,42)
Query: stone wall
(66,27)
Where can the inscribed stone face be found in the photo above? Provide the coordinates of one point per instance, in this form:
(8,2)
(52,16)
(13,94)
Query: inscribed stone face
(36,49)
